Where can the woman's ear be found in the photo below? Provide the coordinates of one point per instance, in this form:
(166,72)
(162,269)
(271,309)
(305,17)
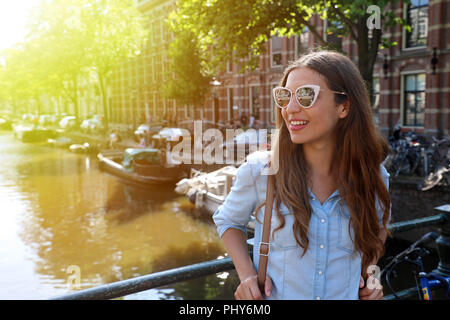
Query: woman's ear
(343,109)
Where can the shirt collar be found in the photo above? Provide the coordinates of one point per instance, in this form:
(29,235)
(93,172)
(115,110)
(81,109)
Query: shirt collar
(334,194)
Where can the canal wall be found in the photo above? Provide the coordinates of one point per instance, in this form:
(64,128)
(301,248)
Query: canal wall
(99,141)
(409,203)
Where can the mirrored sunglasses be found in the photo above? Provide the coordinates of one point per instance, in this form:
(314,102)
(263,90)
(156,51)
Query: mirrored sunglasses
(305,95)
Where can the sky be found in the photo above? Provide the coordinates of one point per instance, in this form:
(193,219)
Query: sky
(13,19)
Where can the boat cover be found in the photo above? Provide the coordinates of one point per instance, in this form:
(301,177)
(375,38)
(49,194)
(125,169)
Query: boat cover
(151,155)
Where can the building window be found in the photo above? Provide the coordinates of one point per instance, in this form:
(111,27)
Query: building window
(230,66)
(414,100)
(273,106)
(376,100)
(333,35)
(254,102)
(162,27)
(301,42)
(157,32)
(417,18)
(230,103)
(150,30)
(275,51)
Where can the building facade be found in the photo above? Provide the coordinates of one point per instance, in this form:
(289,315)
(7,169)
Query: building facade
(411,80)
(136,85)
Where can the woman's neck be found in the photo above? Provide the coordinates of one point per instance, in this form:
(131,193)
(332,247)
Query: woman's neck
(319,157)
(321,179)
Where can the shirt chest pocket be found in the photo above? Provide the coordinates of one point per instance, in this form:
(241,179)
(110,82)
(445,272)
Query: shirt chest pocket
(344,234)
(283,238)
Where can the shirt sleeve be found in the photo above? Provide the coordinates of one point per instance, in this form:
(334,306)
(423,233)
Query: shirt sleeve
(385,176)
(240,203)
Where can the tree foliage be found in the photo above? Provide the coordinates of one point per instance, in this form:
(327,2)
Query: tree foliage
(67,40)
(239,28)
(188,79)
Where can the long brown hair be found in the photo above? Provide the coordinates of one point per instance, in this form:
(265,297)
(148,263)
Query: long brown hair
(358,155)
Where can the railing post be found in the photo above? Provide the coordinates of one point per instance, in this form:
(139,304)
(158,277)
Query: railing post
(443,244)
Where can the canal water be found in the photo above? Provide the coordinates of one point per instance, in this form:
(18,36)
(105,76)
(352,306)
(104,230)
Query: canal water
(62,217)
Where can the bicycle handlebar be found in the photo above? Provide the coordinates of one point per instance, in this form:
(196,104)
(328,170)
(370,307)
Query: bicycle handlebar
(430,236)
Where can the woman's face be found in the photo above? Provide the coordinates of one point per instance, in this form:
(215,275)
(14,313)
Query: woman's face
(321,118)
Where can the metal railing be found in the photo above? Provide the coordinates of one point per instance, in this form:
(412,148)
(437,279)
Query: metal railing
(154,280)
(158,279)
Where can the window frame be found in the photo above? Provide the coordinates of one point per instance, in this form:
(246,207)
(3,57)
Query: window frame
(405,37)
(404,92)
(375,99)
(230,100)
(250,94)
(272,53)
(273,106)
(298,39)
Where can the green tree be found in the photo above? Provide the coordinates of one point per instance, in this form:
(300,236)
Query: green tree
(23,77)
(115,31)
(239,28)
(59,34)
(69,39)
(188,83)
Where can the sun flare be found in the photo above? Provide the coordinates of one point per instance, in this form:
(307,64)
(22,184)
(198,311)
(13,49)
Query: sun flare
(13,20)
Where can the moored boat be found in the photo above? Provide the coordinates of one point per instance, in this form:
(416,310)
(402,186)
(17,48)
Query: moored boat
(141,165)
(32,133)
(207,191)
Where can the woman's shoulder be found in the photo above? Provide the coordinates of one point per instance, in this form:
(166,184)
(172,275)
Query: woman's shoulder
(384,174)
(257,161)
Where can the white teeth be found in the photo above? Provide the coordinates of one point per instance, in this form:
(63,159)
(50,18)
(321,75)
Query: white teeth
(299,123)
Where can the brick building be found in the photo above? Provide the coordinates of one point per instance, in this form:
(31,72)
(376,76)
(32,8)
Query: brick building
(408,88)
(414,87)
(136,84)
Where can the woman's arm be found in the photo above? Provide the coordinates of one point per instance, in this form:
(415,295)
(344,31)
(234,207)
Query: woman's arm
(231,219)
(236,244)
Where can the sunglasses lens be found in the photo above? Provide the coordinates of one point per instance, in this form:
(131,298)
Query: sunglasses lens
(305,96)
(282,97)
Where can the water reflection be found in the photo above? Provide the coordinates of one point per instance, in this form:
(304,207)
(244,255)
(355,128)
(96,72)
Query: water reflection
(221,287)
(68,213)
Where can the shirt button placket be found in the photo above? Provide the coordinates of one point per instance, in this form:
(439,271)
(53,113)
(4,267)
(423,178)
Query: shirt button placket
(319,285)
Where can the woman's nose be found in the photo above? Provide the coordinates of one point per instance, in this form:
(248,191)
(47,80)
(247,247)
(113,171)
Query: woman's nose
(293,106)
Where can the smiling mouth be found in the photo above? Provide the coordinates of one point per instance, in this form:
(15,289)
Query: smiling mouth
(298,122)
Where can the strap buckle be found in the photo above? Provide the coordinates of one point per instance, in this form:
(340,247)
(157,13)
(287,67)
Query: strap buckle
(266,252)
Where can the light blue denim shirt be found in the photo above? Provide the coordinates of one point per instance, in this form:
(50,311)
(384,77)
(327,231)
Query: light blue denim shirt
(331,267)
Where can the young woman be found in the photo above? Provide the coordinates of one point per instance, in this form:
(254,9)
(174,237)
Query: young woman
(331,203)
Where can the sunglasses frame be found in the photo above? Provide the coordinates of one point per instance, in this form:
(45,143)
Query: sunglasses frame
(315,87)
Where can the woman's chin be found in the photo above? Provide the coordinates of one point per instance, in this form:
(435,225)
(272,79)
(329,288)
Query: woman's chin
(297,139)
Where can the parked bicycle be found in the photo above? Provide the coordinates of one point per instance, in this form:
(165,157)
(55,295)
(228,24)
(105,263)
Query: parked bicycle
(425,281)
(414,154)
(407,154)
(440,175)
(436,154)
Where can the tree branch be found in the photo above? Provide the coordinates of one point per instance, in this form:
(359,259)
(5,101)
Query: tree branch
(351,25)
(313,30)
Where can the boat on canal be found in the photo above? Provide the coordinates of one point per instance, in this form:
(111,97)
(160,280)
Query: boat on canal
(141,165)
(208,190)
(32,133)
